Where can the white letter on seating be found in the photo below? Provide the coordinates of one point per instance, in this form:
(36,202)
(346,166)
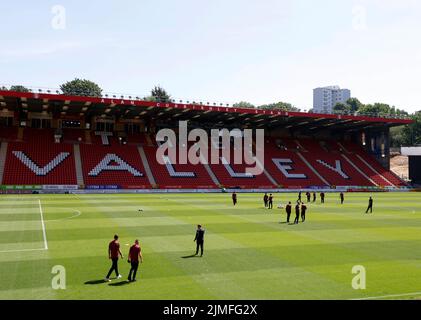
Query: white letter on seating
(167,141)
(34,167)
(284,166)
(105,165)
(337,169)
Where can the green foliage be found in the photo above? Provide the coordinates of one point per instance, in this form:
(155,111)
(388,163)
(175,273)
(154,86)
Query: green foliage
(159,94)
(397,137)
(19,88)
(150,98)
(354,104)
(243,104)
(381,109)
(342,108)
(81,87)
(284,106)
(412,132)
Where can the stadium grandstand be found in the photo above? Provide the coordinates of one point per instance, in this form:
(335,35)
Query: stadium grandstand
(57,143)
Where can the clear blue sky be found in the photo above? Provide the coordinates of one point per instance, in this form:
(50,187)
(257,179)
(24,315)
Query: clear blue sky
(259,51)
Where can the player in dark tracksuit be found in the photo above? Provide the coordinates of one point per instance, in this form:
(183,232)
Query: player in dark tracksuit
(265,200)
(299,196)
(314,196)
(135,256)
(297,213)
(322,197)
(234,198)
(303,212)
(270,203)
(342,197)
(308,196)
(200,239)
(288,210)
(370,205)
(113,253)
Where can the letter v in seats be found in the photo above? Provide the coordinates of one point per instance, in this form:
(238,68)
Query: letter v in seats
(337,168)
(35,168)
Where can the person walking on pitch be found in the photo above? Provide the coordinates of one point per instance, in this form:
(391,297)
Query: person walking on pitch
(342,197)
(113,254)
(135,256)
(288,210)
(308,196)
(314,196)
(265,200)
(370,205)
(234,198)
(322,197)
(297,212)
(270,203)
(200,239)
(303,212)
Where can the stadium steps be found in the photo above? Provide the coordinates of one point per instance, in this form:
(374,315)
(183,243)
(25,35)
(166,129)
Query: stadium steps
(211,174)
(149,140)
(88,137)
(312,169)
(343,147)
(374,170)
(359,170)
(20,133)
(3,153)
(301,148)
(148,170)
(78,163)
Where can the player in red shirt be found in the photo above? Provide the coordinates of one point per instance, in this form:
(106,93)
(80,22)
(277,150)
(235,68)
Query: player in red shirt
(135,256)
(113,253)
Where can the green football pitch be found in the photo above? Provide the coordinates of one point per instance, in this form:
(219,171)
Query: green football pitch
(249,253)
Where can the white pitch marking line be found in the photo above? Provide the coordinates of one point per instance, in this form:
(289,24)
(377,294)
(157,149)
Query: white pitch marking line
(78,213)
(43,225)
(23,250)
(390,296)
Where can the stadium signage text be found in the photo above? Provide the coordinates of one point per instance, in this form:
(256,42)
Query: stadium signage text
(220,148)
(112,162)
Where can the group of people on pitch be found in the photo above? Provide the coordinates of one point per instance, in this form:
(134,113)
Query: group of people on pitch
(135,254)
(300,208)
(308,195)
(134,257)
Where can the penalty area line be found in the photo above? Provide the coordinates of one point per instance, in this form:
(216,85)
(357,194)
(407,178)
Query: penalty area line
(43,225)
(390,296)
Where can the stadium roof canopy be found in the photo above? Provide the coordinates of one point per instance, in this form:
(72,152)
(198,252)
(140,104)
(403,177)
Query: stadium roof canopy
(79,107)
